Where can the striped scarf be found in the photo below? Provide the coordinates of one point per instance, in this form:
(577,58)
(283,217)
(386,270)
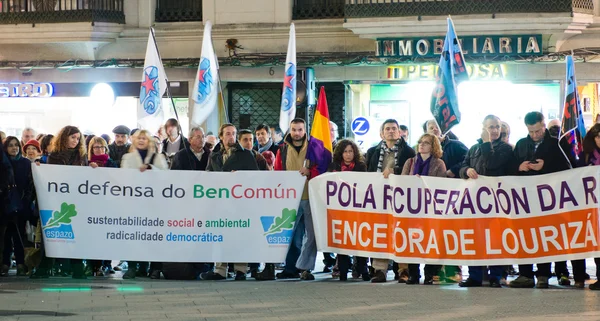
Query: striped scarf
(384,149)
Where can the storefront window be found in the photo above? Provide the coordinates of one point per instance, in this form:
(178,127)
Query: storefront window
(409,104)
(49,115)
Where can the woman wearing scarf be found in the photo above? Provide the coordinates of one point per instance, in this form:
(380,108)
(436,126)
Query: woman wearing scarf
(428,162)
(98,157)
(143,156)
(18,211)
(347,158)
(589,157)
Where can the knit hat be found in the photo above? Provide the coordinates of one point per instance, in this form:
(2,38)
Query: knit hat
(33,142)
(121,130)
(133,131)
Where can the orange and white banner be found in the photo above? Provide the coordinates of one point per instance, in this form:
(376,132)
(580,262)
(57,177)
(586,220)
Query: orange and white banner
(487,221)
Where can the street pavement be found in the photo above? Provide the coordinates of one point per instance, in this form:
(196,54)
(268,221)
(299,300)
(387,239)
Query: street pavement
(111,298)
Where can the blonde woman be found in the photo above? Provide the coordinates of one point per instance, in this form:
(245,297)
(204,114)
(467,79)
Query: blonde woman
(428,162)
(143,156)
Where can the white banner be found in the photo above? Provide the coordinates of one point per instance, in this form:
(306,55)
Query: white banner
(167,216)
(487,221)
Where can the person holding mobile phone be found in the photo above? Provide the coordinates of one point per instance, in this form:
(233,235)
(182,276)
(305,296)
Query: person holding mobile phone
(537,154)
(491,156)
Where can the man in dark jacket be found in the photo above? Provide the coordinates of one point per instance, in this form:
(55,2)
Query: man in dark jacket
(232,157)
(195,156)
(490,157)
(388,157)
(120,146)
(175,141)
(537,154)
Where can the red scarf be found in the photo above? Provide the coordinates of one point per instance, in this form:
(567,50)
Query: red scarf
(347,168)
(99,159)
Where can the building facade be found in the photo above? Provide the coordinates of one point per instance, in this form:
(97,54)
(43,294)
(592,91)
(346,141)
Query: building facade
(376,59)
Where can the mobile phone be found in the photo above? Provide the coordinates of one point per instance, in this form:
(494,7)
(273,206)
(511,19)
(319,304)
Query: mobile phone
(533,162)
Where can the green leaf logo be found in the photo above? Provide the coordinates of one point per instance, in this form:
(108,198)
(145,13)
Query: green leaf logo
(285,221)
(67,211)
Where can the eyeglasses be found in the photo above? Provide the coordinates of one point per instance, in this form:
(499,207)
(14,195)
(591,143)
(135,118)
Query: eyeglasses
(98,147)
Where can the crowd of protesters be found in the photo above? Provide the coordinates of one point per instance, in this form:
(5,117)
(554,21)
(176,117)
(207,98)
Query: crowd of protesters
(267,148)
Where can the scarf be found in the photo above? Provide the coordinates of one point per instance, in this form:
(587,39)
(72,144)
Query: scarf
(596,158)
(384,149)
(347,168)
(143,154)
(99,159)
(266,147)
(421,166)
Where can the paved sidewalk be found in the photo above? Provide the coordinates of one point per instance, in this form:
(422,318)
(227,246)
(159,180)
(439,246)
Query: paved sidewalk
(323,299)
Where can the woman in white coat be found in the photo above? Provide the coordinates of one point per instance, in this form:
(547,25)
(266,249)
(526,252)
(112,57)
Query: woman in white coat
(143,156)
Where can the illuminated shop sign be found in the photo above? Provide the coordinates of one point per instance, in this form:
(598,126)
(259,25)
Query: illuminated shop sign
(427,72)
(488,46)
(29,89)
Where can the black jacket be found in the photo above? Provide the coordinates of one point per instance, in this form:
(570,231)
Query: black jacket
(405,153)
(239,160)
(337,167)
(274,148)
(24,181)
(548,150)
(185,160)
(454,155)
(489,159)
(116,152)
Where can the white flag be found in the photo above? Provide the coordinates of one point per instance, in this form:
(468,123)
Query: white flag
(154,84)
(206,88)
(288,97)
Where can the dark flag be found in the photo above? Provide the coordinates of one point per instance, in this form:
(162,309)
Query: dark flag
(573,127)
(452,70)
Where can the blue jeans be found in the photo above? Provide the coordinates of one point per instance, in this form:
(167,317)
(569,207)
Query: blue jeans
(296,244)
(476,272)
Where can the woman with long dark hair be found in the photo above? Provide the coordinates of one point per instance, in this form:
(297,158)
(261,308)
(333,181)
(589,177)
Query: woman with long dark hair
(19,209)
(347,158)
(68,148)
(590,156)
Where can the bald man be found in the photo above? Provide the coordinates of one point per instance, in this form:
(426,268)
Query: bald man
(554,128)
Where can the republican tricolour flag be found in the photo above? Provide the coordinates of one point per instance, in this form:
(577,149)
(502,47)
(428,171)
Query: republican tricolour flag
(452,70)
(288,97)
(206,91)
(320,149)
(154,84)
(573,127)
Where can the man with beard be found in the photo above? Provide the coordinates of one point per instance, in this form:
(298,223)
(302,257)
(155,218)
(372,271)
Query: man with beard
(121,145)
(291,156)
(388,157)
(265,142)
(233,157)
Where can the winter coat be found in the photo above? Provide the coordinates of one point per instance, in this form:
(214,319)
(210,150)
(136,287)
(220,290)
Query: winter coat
(405,153)
(134,160)
(489,159)
(186,160)
(239,159)
(70,157)
(183,143)
(548,150)
(454,154)
(116,152)
(437,168)
(273,149)
(289,159)
(23,179)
